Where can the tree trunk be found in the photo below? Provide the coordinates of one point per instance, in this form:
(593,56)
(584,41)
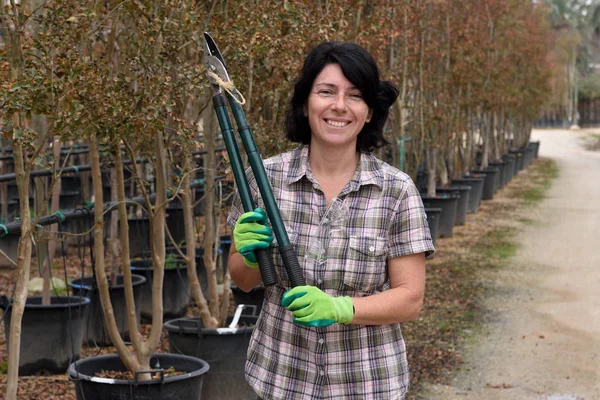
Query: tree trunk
(485,132)
(113,228)
(54,206)
(495,135)
(42,244)
(190,238)
(443,169)
(23,266)
(432,155)
(134,333)
(209,210)
(129,360)
(156,215)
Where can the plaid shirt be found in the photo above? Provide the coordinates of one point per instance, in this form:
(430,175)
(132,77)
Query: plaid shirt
(343,250)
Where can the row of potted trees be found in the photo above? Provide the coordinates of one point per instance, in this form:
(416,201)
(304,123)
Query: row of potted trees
(125,79)
(80,313)
(451,204)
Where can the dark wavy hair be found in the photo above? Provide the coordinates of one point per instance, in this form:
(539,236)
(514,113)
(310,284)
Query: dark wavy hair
(360,68)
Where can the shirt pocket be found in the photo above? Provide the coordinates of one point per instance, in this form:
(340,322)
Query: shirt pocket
(365,266)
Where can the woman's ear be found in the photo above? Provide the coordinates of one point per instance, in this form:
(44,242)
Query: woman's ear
(369,115)
(305,110)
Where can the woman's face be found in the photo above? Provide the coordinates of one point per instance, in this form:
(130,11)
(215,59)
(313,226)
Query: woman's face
(335,108)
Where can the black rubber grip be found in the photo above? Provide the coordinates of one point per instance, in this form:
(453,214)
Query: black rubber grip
(266,267)
(292,266)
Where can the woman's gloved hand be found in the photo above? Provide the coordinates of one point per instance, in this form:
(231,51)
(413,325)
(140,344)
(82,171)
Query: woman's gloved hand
(312,307)
(250,233)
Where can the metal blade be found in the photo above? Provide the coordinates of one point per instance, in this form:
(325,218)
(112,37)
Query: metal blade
(212,49)
(213,61)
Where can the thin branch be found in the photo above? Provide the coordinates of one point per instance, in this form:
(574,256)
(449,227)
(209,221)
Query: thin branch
(8,258)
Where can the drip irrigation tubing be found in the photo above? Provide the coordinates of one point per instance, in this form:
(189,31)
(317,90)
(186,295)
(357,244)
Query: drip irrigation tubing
(14,228)
(87,167)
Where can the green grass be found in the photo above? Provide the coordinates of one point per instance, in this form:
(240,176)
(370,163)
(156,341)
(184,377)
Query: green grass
(543,172)
(498,245)
(527,221)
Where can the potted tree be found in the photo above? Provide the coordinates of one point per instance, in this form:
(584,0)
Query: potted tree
(118,91)
(31,109)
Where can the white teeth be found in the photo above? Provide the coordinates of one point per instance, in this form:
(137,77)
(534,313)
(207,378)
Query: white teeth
(338,124)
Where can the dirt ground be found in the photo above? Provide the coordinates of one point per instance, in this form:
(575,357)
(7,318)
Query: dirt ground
(541,339)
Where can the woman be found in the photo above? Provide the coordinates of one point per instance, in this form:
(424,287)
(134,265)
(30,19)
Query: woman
(360,231)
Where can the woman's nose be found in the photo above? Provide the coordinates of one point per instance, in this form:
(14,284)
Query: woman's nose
(340,102)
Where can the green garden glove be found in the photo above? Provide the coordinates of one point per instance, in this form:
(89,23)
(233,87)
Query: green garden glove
(311,307)
(250,233)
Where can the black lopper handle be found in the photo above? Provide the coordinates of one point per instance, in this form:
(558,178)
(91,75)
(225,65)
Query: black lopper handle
(292,266)
(263,256)
(288,253)
(266,266)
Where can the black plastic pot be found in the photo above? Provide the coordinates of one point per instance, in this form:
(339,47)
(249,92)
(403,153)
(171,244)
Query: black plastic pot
(175,222)
(536,145)
(70,183)
(139,236)
(518,163)
(106,192)
(228,192)
(200,270)
(69,200)
(500,165)
(50,334)
(13,209)
(448,204)
(509,160)
(199,201)
(421,181)
(530,151)
(94,331)
(176,289)
(224,349)
(520,160)
(179,387)
(79,226)
(523,160)
(462,207)
(433,220)
(13,191)
(225,246)
(489,182)
(9,245)
(475,193)
(254,297)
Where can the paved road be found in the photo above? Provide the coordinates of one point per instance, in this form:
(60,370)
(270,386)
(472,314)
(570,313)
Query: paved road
(544,338)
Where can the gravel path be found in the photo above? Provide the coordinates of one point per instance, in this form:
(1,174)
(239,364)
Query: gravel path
(542,340)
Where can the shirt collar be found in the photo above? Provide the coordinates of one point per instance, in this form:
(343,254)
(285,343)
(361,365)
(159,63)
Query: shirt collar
(368,171)
(298,164)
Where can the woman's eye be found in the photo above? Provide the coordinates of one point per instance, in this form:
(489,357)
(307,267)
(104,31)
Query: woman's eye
(356,96)
(325,92)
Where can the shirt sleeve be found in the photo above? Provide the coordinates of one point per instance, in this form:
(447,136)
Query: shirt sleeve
(235,211)
(409,230)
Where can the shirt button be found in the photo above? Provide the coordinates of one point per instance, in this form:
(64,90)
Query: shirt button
(372,249)
(319,281)
(321,341)
(321,372)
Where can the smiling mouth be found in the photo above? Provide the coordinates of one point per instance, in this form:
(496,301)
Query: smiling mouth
(337,124)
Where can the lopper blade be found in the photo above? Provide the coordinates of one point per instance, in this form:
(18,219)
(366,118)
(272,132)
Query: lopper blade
(213,60)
